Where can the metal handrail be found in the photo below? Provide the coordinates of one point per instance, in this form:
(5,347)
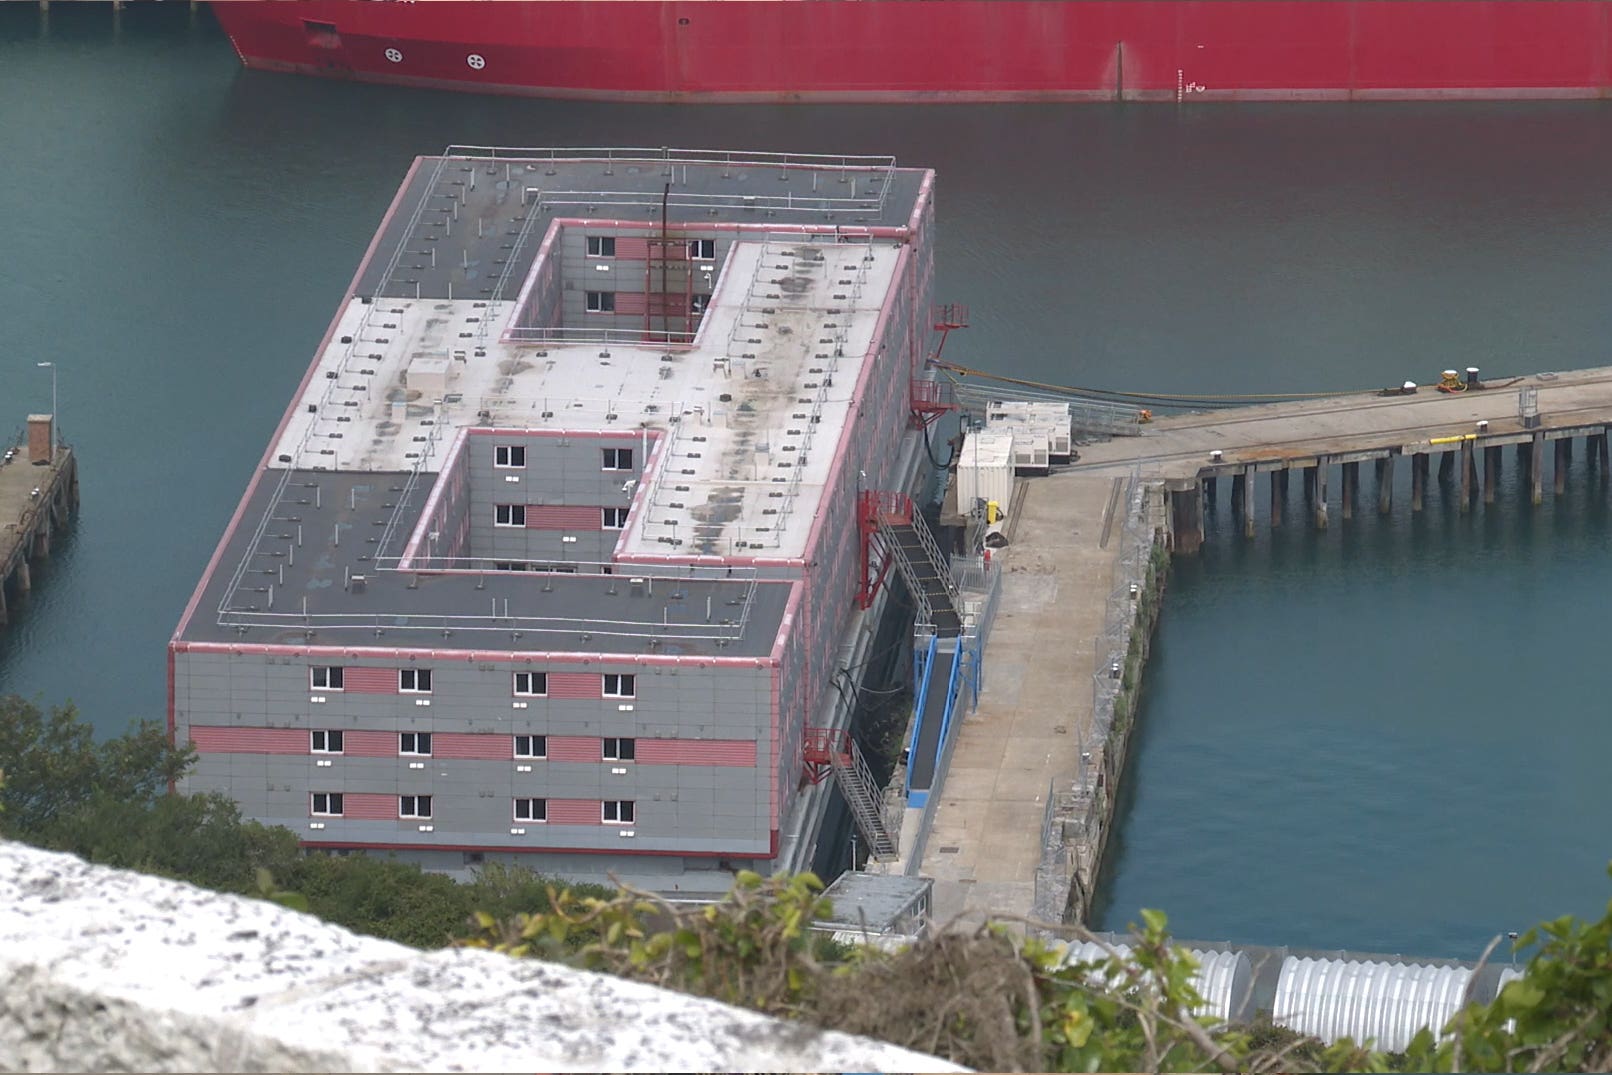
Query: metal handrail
(439,622)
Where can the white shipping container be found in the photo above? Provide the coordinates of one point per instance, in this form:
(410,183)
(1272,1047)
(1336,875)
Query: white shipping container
(985,469)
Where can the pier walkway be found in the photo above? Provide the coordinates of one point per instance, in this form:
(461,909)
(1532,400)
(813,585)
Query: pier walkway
(1029,768)
(38,494)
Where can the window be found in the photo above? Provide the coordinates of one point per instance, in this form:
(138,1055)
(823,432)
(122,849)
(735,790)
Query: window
(418,743)
(531,809)
(618,459)
(324,742)
(414,806)
(614,518)
(618,686)
(511,565)
(327,803)
(698,303)
(702,249)
(531,746)
(509,455)
(616,811)
(601,302)
(601,246)
(414,680)
(620,749)
(325,678)
(531,684)
(509,514)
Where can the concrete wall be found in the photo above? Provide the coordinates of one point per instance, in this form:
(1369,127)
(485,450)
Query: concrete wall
(107,970)
(682,806)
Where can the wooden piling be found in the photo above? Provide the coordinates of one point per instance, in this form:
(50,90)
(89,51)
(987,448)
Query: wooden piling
(1536,469)
(1209,492)
(1418,479)
(1446,467)
(1248,500)
(1278,495)
(1321,467)
(1602,449)
(1491,472)
(1351,487)
(1308,481)
(1385,485)
(1236,493)
(1564,454)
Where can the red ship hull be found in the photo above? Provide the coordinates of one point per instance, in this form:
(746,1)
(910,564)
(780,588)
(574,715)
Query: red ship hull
(944,50)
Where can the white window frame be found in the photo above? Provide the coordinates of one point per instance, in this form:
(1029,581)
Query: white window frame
(619,807)
(315,735)
(601,246)
(333,803)
(531,690)
(626,685)
(403,750)
(697,248)
(532,745)
(615,459)
(418,810)
(505,456)
(613,518)
(509,514)
(419,675)
(619,748)
(534,807)
(314,677)
(599,302)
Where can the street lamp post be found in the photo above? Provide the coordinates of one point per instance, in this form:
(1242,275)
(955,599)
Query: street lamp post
(55,419)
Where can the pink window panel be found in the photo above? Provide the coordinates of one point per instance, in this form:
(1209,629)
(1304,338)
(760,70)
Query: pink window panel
(563,517)
(734,752)
(575,748)
(575,685)
(369,744)
(573,811)
(467,745)
(369,680)
(637,249)
(211,740)
(368,806)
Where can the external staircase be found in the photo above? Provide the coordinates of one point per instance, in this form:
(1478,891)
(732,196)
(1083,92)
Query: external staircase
(894,531)
(830,751)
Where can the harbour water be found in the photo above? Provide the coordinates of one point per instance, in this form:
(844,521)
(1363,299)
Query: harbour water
(1387,737)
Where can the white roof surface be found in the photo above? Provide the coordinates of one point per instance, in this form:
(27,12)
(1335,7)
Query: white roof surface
(387,401)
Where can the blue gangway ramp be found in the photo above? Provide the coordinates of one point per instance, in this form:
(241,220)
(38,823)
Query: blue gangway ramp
(937,693)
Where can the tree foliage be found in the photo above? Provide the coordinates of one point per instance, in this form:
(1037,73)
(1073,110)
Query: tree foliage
(108,802)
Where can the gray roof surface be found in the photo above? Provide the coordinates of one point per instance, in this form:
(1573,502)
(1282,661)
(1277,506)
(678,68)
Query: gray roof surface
(473,211)
(350,524)
(873,900)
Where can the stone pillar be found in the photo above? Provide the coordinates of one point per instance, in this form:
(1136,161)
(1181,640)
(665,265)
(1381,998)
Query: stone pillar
(1418,479)
(1351,485)
(1536,469)
(1491,473)
(1466,475)
(1278,495)
(1321,466)
(1186,518)
(1446,466)
(1564,456)
(1248,500)
(1385,485)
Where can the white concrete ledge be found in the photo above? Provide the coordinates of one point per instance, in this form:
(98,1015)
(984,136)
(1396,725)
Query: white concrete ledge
(104,969)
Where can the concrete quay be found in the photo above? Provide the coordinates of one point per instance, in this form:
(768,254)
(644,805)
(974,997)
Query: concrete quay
(1027,801)
(1021,751)
(38,495)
